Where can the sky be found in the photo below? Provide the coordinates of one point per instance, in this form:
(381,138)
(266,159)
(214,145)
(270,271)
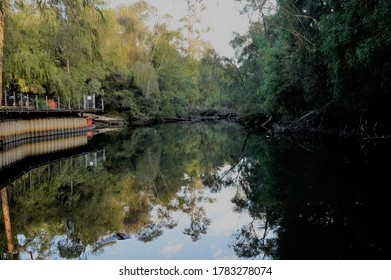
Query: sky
(222,16)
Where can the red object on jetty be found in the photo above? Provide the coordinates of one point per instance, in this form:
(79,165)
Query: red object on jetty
(89,122)
(52,104)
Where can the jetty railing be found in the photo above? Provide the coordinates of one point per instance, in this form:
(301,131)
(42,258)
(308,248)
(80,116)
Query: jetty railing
(21,102)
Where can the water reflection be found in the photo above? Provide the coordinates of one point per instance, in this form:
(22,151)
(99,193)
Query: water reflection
(17,151)
(202,191)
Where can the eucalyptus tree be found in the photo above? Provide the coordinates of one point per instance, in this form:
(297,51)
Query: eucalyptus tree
(66,11)
(3,10)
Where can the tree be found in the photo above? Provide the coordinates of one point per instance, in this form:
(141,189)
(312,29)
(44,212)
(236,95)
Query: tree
(194,45)
(355,44)
(3,11)
(70,12)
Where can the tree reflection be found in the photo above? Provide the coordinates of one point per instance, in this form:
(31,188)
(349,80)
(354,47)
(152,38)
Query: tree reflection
(136,190)
(7,223)
(305,203)
(198,224)
(70,249)
(253,239)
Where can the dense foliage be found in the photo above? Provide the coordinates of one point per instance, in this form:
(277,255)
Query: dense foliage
(129,55)
(331,57)
(301,55)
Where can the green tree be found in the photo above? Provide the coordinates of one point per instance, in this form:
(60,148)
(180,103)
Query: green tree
(38,57)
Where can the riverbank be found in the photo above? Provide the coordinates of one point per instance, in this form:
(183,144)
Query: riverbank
(329,119)
(101,121)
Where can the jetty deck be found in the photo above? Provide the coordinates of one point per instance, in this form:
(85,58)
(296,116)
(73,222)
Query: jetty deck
(25,104)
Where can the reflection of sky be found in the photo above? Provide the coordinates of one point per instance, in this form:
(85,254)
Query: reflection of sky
(174,244)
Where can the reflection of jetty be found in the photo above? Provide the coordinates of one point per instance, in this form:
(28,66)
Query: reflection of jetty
(13,153)
(17,158)
(87,159)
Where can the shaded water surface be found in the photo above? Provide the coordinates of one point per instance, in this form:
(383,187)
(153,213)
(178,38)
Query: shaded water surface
(201,191)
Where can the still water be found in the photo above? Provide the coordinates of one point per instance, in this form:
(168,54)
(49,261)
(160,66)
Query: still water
(198,191)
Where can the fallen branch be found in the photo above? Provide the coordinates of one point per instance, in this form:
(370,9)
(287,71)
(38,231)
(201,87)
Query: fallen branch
(377,138)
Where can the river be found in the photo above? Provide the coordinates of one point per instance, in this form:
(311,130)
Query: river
(208,190)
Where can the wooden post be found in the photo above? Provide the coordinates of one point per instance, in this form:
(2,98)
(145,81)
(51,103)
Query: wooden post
(7,222)
(27,101)
(103,105)
(93,101)
(5,98)
(36,102)
(14,100)
(84,102)
(69,104)
(21,100)
(58,103)
(46,99)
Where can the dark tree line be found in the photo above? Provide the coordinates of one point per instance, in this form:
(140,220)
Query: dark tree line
(327,56)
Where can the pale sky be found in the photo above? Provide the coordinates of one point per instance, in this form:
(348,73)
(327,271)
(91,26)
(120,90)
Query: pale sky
(221,15)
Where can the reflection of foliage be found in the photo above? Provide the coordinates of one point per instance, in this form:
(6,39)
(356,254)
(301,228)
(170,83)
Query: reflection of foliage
(199,224)
(155,226)
(136,190)
(252,241)
(70,249)
(312,203)
(190,198)
(149,232)
(254,195)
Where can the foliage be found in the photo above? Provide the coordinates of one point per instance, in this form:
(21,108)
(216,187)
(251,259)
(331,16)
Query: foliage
(297,56)
(128,55)
(300,55)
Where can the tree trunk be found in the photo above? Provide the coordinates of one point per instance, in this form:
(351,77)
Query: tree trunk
(2,7)
(4,4)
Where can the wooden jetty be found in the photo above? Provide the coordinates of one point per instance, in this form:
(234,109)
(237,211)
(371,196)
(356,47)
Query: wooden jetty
(27,116)
(32,103)
(17,130)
